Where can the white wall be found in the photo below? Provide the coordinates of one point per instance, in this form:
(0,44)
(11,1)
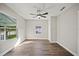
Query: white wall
(53,28)
(78,34)
(20,25)
(30,29)
(67,29)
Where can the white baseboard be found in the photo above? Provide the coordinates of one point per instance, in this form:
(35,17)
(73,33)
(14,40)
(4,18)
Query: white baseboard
(6,51)
(9,49)
(37,38)
(52,41)
(67,49)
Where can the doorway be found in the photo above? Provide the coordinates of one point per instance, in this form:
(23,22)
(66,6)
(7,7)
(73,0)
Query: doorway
(8,33)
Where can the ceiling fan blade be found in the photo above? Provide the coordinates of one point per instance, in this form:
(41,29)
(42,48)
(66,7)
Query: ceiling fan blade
(45,13)
(32,14)
(43,16)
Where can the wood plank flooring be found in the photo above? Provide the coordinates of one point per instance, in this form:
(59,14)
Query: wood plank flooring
(38,48)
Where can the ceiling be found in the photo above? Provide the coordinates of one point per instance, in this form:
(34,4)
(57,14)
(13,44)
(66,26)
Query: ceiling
(24,9)
(6,20)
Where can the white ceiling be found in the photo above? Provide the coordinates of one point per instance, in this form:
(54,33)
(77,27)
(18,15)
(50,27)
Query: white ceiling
(24,9)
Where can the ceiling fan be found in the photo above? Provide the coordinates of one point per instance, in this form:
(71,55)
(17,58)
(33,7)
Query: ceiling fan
(40,14)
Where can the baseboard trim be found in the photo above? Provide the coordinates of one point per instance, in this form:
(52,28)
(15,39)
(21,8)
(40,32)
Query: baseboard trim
(36,39)
(52,41)
(67,49)
(2,54)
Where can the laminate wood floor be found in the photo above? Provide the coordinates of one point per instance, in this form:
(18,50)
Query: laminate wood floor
(38,48)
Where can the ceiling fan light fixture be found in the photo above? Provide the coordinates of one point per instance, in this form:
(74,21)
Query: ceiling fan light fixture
(40,13)
(62,8)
